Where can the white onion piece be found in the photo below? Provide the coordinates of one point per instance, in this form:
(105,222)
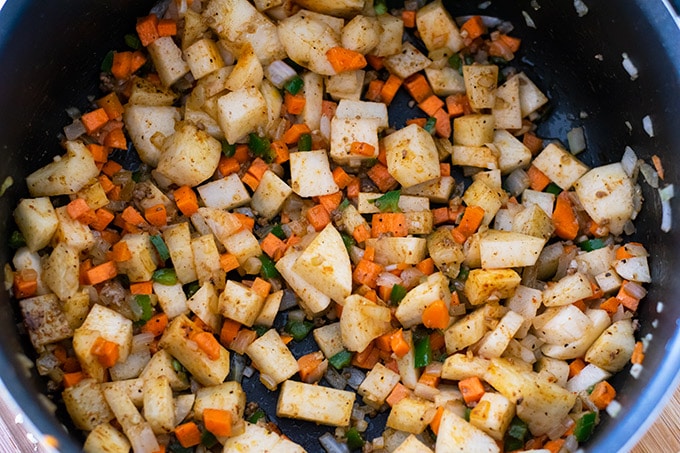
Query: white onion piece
(577,140)
(296,315)
(356,377)
(278,73)
(636,290)
(590,375)
(517,182)
(74,130)
(666,216)
(142,341)
(629,160)
(581,8)
(614,408)
(388,279)
(629,66)
(331,445)
(647,125)
(425,391)
(570,443)
(529,21)
(667,192)
(650,175)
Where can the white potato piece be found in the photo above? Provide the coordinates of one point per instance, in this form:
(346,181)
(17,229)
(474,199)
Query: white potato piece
(493,414)
(507,111)
(67,175)
(457,435)
(222,224)
(614,347)
(241,112)
(411,308)
(226,193)
(204,304)
(407,203)
(412,156)
(161,365)
(407,62)
(145,92)
(438,190)
(329,339)
(137,430)
(526,302)
(346,85)
(315,403)
(394,250)
(243,245)
(411,414)
(306,41)
(61,271)
(105,437)
(86,405)
(247,72)
(496,341)
(171,299)
(412,445)
(461,366)
(362,321)
(203,57)
(167,58)
(159,406)
(473,130)
(530,97)
(312,300)
(270,309)
(561,325)
(513,153)
(189,156)
(488,198)
(345,131)
(635,269)
(504,249)
(227,395)
(470,328)
(325,264)
(480,85)
(560,166)
(391,37)
(272,358)
(177,237)
(361,34)
(377,385)
(437,28)
(270,195)
(533,221)
(445,81)
(45,320)
(474,156)
(599,322)
(37,220)
(567,290)
(144,122)
(348,109)
(144,260)
(240,303)
(606,194)
(484,284)
(310,174)
(406,364)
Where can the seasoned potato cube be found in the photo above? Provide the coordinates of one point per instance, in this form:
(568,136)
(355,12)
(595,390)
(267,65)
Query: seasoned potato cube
(207,261)
(167,58)
(345,131)
(161,365)
(204,303)
(411,414)
(329,339)
(178,239)
(270,309)
(493,414)
(37,220)
(240,303)
(530,97)
(437,28)
(394,250)
(560,166)
(361,34)
(377,385)
(473,130)
(496,341)
(606,193)
(412,445)
(407,62)
(471,328)
(411,308)
(533,221)
(348,109)
(342,8)
(45,320)
(86,405)
(488,198)
(105,437)
(272,358)
(525,301)
(243,245)
(253,438)
(241,112)
(112,326)
(346,85)
(306,40)
(325,264)
(483,284)
(412,156)
(513,153)
(614,347)
(445,81)
(205,370)
(474,156)
(247,72)
(132,367)
(223,224)
(553,369)
(76,308)
(68,175)
(159,406)
(189,156)
(142,264)
(362,321)
(461,366)
(438,190)
(507,111)
(270,195)
(145,121)
(312,300)
(171,298)
(137,430)
(561,325)
(446,253)
(457,435)
(72,232)
(391,37)
(503,249)
(227,395)
(567,290)
(61,271)
(310,174)
(145,92)
(480,85)
(203,57)
(315,403)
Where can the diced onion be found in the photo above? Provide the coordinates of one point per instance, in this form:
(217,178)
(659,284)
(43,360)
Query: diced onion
(636,369)
(356,377)
(647,125)
(517,182)
(529,21)
(248,371)
(335,379)
(666,194)
(296,315)
(570,443)
(581,8)
(388,279)
(425,391)
(484,5)
(279,72)
(590,375)
(636,290)
(650,175)
(243,339)
(74,130)
(142,340)
(629,66)
(629,160)
(614,409)
(236,367)
(659,307)
(331,445)
(577,140)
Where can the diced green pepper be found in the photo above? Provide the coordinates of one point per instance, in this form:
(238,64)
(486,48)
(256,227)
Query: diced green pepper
(591,244)
(165,276)
(466,414)
(294,85)
(161,248)
(260,147)
(388,202)
(348,241)
(305,142)
(585,426)
(191,288)
(260,330)
(208,439)
(228,149)
(257,416)
(469,59)
(512,444)
(430,124)
(268,269)
(354,439)
(132,41)
(397,294)
(278,232)
(107,62)
(456,62)
(380,7)
(343,204)
(553,189)
(144,303)
(517,429)
(341,359)
(299,329)
(17,240)
(422,352)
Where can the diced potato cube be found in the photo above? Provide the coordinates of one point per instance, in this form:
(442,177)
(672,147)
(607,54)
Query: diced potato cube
(474,156)
(329,339)
(105,437)
(614,347)
(553,369)
(306,41)
(270,195)
(86,405)
(471,328)
(513,153)
(419,222)
(395,250)
(346,85)
(247,72)
(203,57)
(37,220)
(495,343)
(68,175)
(241,112)
(530,97)
(226,193)
(412,156)
(222,224)
(270,309)
(172,299)
(483,284)
(72,232)
(411,414)
(596,261)
(189,156)
(608,281)
(411,308)
(533,221)
(567,290)
(313,91)
(207,261)
(606,194)
(407,62)
(204,303)
(362,321)
(272,358)
(560,166)
(349,109)
(599,322)
(310,174)
(45,320)
(345,131)
(167,59)
(145,92)
(507,111)
(391,37)
(76,308)
(457,435)
(446,253)
(503,249)
(493,414)
(377,385)
(561,325)
(161,365)
(253,438)
(437,28)
(461,366)
(144,122)
(473,130)
(178,239)
(159,406)
(525,301)
(312,300)
(112,326)
(543,200)
(406,203)
(361,34)
(240,303)
(227,395)
(325,264)
(243,245)
(205,370)
(489,199)
(132,367)
(61,271)
(137,430)
(480,85)
(445,81)
(438,190)
(94,195)
(142,264)
(315,403)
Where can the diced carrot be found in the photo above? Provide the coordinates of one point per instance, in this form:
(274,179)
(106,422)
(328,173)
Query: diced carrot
(167,27)
(247,222)
(101,273)
(622,253)
(99,153)
(241,154)
(207,343)
(537,179)
(188,434)
(343,59)
(440,215)
(331,201)
(156,215)
(261,287)
(318,217)
(581,305)
(575,367)
(369,253)
(437,420)
(418,87)
(436,315)
(228,262)
(429,379)
(111,105)
(111,168)
(510,41)
(366,273)
(398,393)
(132,216)
(141,287)
(469,223)
(292,135)
(103,218)
(361,233)
(444,169)
(156,324)
(554,446)
(362,149)
(147,29)
(431,104)
(294,103)
(426,266)
(341,178)
(409,18)
(420,122)
(23,286)
(658,166)
(610,305)
(603,394)
(458,104)
(186,200)
(367,358)
(382,153)
(328,108)
(383,342)
(280,150)
(71,379)
(308,364)
(376,62)
(121,66)
(382,177)
(564,218)
(455,299)
(535,443)
(354,187)
(116,139)
(398,343)
(107,352)
(531,141)
(228,166)
(138,60)
(230,329)
(272,246)
(120,252)
(472,389)
(373,91)
(638,354)
(258,168)
(442,126)
(251,181)
(473,28)
(437,340)
(390,88)
(499,48)
(392,223)
(77,208)
(106,183)
(94,120)
(217,421)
